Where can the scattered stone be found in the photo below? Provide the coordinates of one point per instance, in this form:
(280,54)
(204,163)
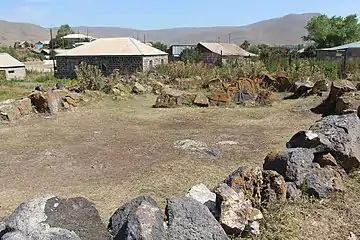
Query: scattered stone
(302,88)
(320,86)
(292,192)
(293,164)
(140,218)
(138,88)
(243,96)
(323,182)
(203,195)
(53,102)
(264,97)
(49,217)
(273,187)
(194,146)
(227,143)
(247,180)
(201,100)
(236,211)
(188,219)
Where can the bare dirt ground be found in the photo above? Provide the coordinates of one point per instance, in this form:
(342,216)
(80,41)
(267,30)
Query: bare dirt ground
(110,152)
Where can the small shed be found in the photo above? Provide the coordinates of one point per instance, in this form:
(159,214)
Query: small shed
(351,51)
(11,67)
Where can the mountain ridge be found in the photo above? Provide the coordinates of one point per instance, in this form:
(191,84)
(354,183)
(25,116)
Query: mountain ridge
(285,30)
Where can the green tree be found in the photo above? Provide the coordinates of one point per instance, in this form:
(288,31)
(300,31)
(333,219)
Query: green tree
(159,45)
(191,55)
(254,49)
(333,31)
(245,45)
(59,42)
(64,30)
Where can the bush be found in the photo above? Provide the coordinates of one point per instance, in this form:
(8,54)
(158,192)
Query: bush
(90,77)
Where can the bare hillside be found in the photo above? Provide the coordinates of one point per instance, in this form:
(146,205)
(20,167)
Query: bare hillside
(284,30)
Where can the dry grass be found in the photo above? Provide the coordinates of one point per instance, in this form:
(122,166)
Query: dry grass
(110,152)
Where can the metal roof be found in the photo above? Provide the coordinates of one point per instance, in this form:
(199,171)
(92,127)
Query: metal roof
(342,47)
(7,61)
(226,49)
(114,47)
(77,36)
(177,49)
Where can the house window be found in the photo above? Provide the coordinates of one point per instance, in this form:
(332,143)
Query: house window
(162,61)
(11,71)
(151,64)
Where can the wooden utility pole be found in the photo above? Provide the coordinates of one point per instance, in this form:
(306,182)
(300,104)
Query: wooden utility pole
(218,39)
(52,49)
(144,38)
(229,37)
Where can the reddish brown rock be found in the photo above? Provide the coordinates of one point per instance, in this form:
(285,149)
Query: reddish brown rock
(219,99)
(326,160)
(273,187)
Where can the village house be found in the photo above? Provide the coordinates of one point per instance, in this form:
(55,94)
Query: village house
(351,51)
(10,67)
(213,52)
(175,51)
(125,54)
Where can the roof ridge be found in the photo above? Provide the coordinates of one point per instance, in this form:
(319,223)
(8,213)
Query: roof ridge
(131,39)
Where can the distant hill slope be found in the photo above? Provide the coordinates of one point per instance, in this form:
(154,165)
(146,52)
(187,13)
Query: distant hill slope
(284,30)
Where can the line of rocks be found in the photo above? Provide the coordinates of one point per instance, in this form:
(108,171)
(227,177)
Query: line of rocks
(50,102)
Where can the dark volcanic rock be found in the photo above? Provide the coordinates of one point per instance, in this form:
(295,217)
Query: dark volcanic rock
(140,218)
(322,182)
(191,220)
(293,164)
(75,214)
(338,135)
(49,217)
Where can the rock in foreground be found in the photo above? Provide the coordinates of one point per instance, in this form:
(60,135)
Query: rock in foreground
(50,217)
(140,218)
(188,219)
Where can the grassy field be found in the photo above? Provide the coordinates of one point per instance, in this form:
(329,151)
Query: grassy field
(112,151)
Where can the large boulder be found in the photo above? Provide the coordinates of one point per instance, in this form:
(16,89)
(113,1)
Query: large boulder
(11,110)
(236,211)
(338,88)
(202,194)
(46,102)
(293,164)
(50,217)
(323,182)
(247,180)
(140,218)
(188,219)
(219,98)
(338,135)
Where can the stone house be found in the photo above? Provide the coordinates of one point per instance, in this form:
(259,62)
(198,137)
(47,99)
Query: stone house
(127,55)
(11,68)
(214,52)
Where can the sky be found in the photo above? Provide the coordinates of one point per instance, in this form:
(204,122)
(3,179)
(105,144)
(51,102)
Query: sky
(160,14)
